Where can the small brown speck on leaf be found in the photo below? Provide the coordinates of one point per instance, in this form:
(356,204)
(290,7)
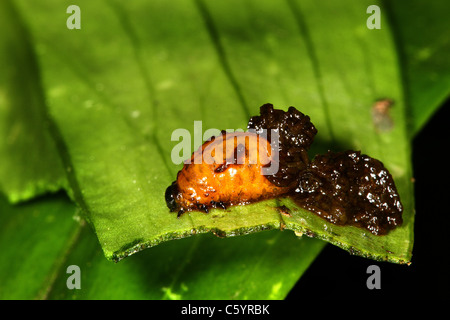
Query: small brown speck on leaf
(381,116)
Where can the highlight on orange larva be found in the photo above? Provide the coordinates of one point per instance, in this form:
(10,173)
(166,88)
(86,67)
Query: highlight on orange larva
(226,170)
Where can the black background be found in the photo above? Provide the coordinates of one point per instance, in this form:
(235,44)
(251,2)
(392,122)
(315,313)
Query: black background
(337,274)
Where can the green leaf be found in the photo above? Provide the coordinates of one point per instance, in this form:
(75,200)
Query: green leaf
(34,240)
(266,267)
(118,87)
(30,163)
(423,45)
(41,239)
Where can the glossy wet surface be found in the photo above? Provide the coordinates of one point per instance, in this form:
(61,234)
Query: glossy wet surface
(349,188)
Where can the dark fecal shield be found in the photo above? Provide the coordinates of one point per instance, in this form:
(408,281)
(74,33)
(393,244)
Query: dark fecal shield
(350,188)
(296,134)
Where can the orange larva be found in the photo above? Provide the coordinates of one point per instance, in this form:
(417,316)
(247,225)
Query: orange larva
(224,171)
